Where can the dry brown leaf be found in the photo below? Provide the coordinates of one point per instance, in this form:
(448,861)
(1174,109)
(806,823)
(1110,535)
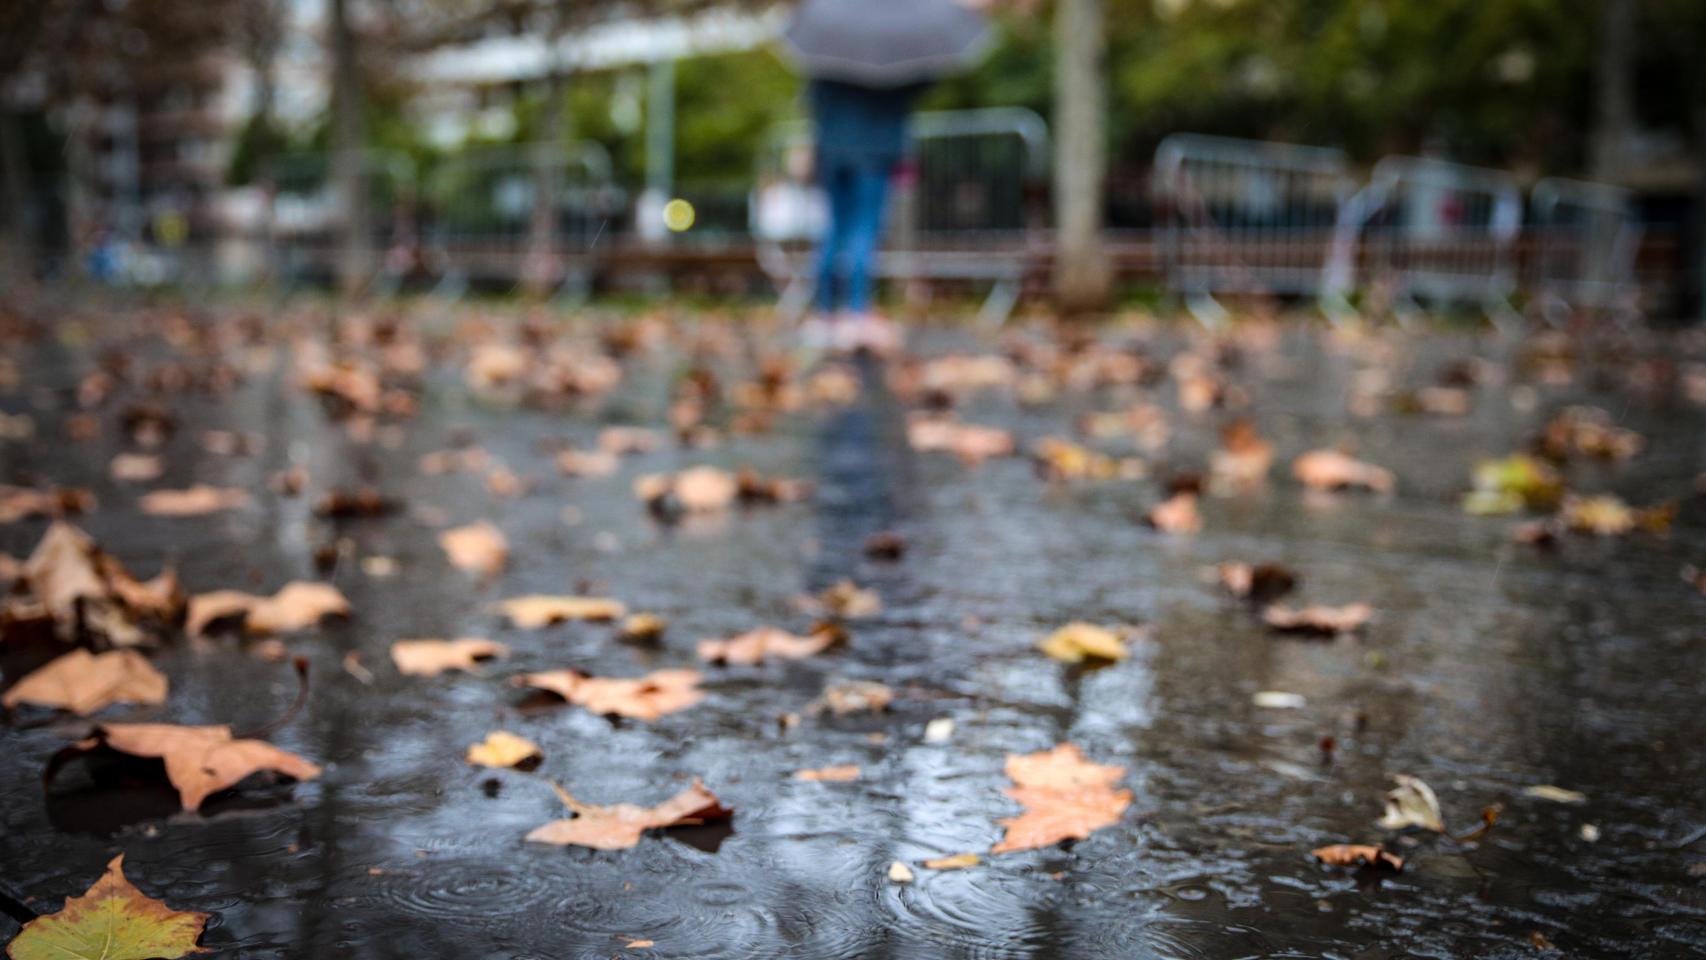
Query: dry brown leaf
(1411,804)
(112,920)
(298,605)
(84,682)
(1079,641)
(1064,796)
(1318,620)
(836,774)
(972,444)
(194,501)
(1176,514)
(537,610)
(848,600)
(1244,458)
(695,490)
(1357,855)
(625,441)
(643,628)
(853,696)
(1334,470)
(764,643)
(83,588)
(200,761)
(586,463)
(426,658)
(1258,582)
(642,698)
(619,826)
(18,503)
(504,749)
(351,504)
(477,548)
(136,467)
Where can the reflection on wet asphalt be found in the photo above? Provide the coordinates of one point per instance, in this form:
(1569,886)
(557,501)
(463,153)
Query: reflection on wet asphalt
(1491,668)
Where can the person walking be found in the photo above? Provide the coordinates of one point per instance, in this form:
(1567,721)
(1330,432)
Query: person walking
(867,62)
(861,137)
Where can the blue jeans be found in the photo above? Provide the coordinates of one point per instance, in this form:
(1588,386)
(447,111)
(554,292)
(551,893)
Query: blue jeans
(858,194)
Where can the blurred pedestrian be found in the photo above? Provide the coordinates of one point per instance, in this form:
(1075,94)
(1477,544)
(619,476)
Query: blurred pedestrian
(867,61)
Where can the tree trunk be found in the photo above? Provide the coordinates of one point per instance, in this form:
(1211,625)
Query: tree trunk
(1081,271)
(541,271)
(354,262)
(19,258)
(1614,95)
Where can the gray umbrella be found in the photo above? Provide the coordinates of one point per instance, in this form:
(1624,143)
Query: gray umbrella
(885,43)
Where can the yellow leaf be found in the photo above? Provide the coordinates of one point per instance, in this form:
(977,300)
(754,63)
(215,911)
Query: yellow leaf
(503,749)
(111,921)
(1546,791)
(1078,641)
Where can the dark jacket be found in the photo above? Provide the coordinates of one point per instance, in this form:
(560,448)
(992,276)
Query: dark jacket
(862,125)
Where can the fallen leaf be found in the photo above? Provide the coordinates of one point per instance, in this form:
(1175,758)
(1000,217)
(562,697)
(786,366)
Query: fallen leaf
(1243,459)
(1590,432)
(536,610)
(643,628)
(619,826)
(853,696)
(1607,516)
(1059,459)
(639,944)
(1411,804)
(84,682)
(765,643)
(504,749)
(1318,620)
(1278,700)
(466,460)
(1176,514)
(194,501)
(1546,791)
(477,548)
(643,698)
(200,761)
(626,441)
(848,600)
(586,463)
(958,861)
(885,545)
(297,605)
(427,658)
(136,467)
(1334,470)
(1541,942)
(837,774)
(350,504)
(1513,483)
(353,666)
(1257,583)
(18,503)
(900,873)
(1079,641)
(81,587)
(972,444)
(112,920)
(1064,797)
(1357,855)
(695,490)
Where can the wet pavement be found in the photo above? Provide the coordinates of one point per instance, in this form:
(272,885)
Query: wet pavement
(1490,667)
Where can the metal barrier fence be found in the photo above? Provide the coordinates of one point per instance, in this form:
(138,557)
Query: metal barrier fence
(307,215)
(1586,237)
(1246,217)
(1429,230)
(963,208)
(535,212)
